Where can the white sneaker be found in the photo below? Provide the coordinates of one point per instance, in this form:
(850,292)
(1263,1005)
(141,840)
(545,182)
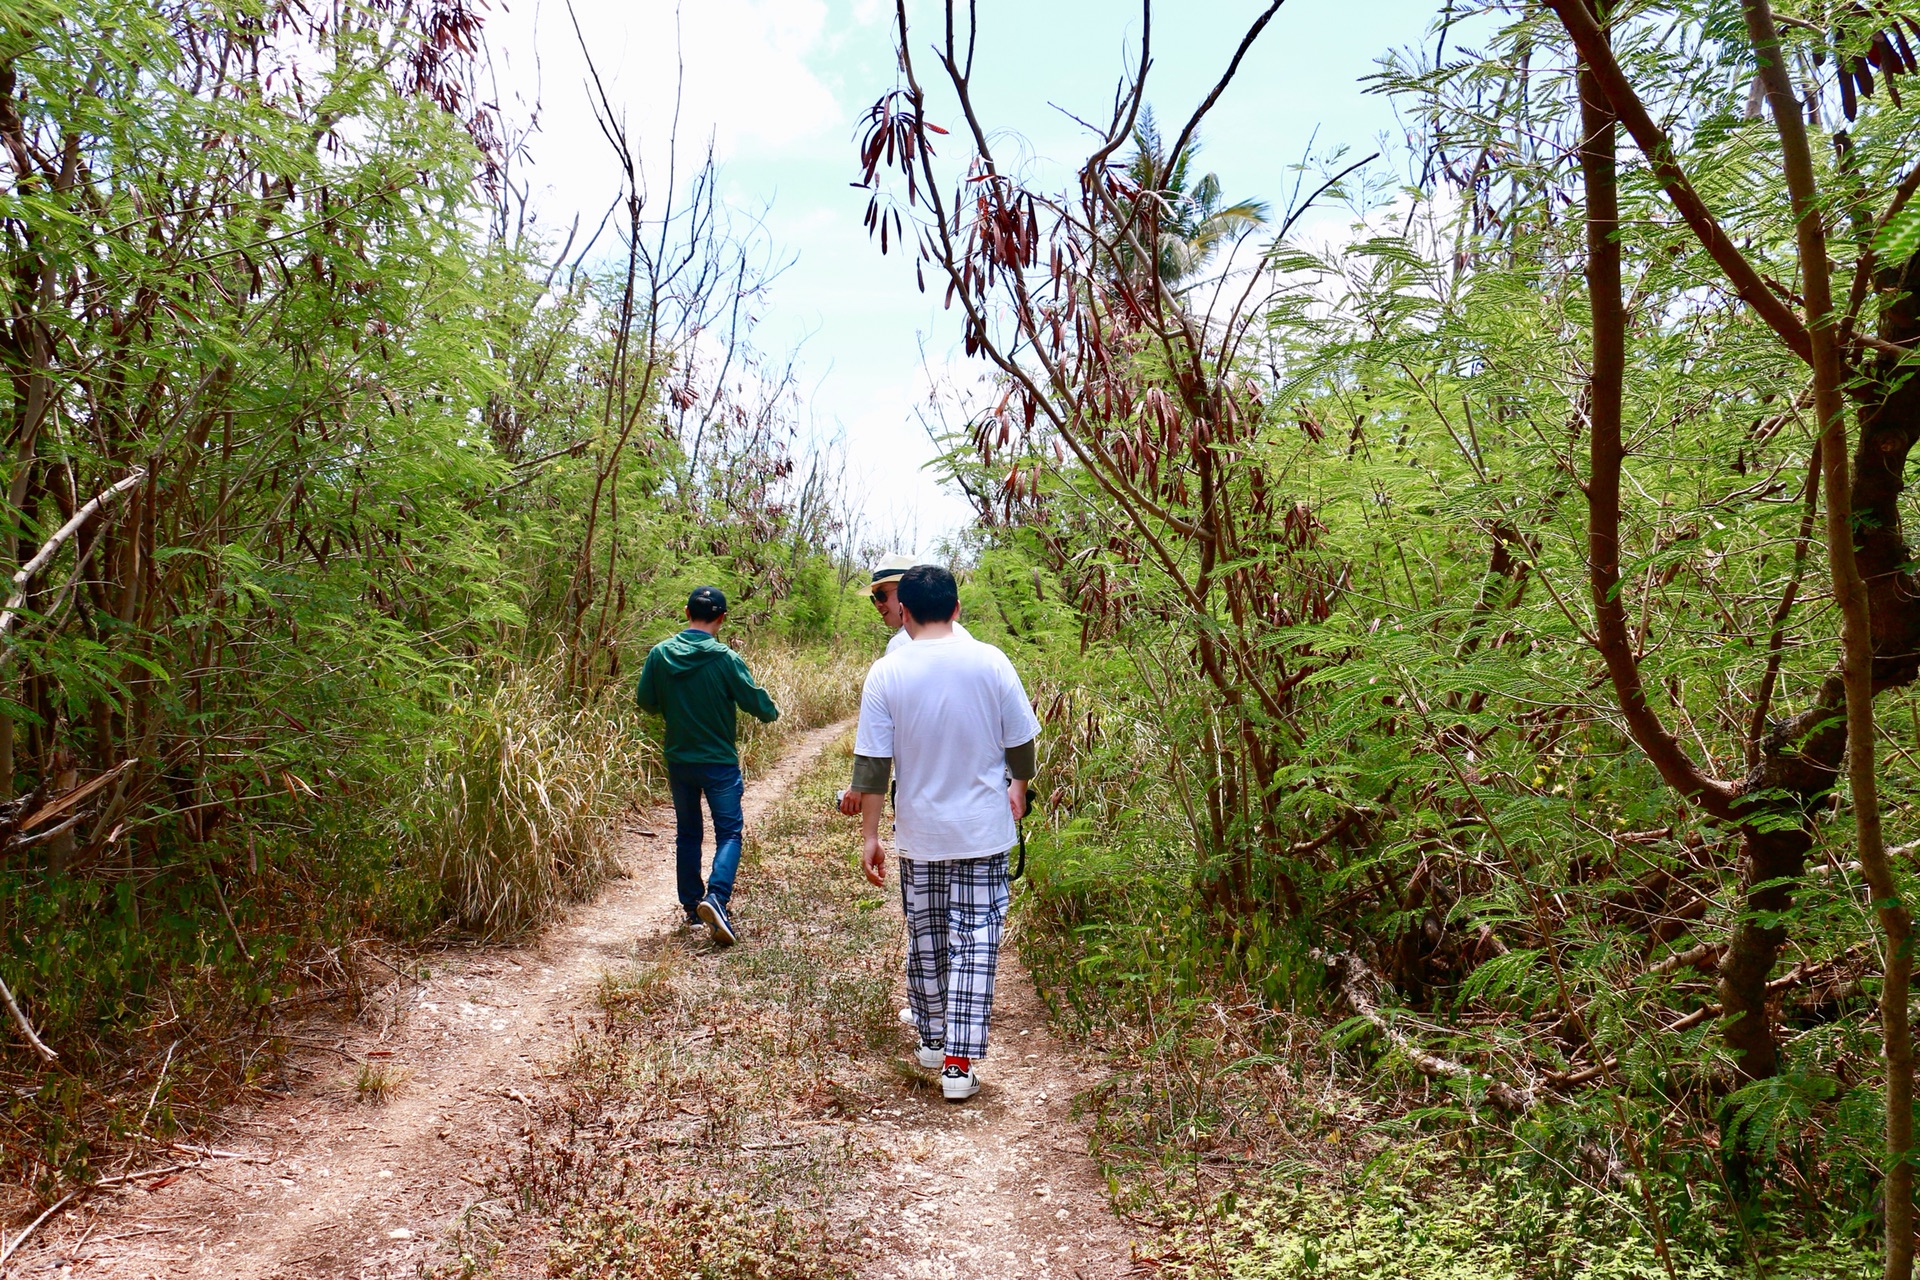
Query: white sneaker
(906,1016)
(959,1085)
(930,1058)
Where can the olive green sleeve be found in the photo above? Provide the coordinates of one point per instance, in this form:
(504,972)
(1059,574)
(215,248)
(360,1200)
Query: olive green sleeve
(870,774)
(1023,761)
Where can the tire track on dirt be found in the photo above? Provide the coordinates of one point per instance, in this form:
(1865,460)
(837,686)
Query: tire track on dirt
(343,1189)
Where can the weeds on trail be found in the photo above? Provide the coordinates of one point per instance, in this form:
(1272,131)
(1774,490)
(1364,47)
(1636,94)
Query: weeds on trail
(513,813)
(378,1083)
(691,1133)
(687,1235)
(1393,1220)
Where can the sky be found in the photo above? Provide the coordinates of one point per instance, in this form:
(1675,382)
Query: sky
(780,87)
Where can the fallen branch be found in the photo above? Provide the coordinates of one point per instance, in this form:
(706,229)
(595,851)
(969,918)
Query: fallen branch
(310,997)
(78,1192)
(205,1154)
(60,804)
(18,843)
(26,1028)
(1301,848)
(1686,1022)
(1349,970)
(1585,1074)
(1691,957)
(215,1153)
(33,1226)
(1692,1020)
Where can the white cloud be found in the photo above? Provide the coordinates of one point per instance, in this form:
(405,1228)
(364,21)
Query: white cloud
(888,449)
(746,68)
(735,71)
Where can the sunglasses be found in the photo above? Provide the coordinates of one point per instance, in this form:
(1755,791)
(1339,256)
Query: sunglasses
(882,598)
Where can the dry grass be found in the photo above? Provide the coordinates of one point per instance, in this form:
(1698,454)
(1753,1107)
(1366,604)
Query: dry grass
(376,1084)
(513,815)
(812,688)
(671,1148)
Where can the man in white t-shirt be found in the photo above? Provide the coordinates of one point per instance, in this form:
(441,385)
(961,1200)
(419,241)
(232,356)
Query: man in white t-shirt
(883,591)
(948,716)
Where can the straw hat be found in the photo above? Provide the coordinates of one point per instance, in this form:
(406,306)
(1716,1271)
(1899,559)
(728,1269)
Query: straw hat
(890,570)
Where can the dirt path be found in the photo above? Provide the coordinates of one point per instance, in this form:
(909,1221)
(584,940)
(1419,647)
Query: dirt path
(999,1188)
(332,1187)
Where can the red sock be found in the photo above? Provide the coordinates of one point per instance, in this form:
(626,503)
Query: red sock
(964,1064)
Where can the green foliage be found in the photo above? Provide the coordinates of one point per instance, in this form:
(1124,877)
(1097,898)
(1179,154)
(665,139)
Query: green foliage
(812,611)
(1327,694)
(1190,220)
(1899,239)
(1503,1227)
(347,659)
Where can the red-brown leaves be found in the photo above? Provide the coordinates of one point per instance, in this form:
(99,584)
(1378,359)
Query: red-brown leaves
(1886,48)
(877,219)
(1310,426)
(1006,228)
(893,139)
(1302,526)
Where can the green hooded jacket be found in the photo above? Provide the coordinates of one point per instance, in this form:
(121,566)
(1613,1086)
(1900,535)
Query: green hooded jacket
(696,682)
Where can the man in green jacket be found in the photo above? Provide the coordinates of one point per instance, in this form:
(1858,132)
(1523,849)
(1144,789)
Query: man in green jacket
(696,682)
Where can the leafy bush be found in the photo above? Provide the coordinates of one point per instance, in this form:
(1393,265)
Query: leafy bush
(1500,1227)
(813,604)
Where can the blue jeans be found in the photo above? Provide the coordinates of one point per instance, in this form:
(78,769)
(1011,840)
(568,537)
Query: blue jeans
(721,784)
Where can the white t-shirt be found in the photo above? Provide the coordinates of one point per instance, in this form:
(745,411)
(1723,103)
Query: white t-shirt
(900,638)
(946,711)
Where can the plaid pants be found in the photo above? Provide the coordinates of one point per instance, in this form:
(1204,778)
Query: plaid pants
(955,911)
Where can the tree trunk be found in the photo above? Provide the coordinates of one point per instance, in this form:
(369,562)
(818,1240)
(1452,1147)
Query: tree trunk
(1857,638)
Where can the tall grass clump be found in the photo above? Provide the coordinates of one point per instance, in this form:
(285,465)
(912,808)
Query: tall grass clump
(514,810)
(813,687)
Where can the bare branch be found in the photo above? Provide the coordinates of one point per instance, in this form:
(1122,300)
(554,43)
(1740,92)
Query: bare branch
(1596,51)
(51,547)
(26,1030)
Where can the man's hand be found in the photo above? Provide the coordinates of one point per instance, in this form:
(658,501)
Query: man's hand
(873,859)
(1017,798)
(849,803)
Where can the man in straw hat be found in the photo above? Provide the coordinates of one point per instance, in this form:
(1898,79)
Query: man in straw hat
(884,592)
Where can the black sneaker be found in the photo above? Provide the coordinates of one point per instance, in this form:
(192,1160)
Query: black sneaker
(716,917)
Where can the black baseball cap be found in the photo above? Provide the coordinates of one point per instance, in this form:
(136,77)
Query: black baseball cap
(706,603)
